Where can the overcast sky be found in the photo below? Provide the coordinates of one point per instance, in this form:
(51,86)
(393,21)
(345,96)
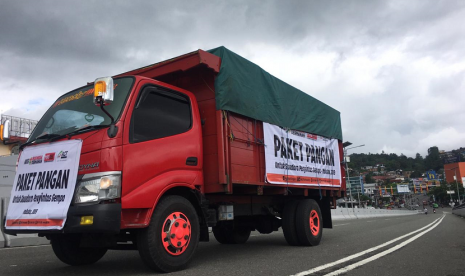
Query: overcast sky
(394,69)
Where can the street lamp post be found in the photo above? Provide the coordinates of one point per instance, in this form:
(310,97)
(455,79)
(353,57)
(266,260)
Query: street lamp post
(450,194)
(457,184)
(348,179)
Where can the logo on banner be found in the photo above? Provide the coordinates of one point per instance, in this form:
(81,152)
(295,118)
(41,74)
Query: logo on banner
(431,175)
(49,157)
(33,160)
(62,156)
(297,133)
(312,136)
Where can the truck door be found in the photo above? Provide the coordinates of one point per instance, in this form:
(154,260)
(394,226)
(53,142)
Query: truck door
(163,147)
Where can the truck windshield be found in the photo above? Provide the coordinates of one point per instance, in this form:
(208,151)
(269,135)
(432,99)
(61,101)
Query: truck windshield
(76,110)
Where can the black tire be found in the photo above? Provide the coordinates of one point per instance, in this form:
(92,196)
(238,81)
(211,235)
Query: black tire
(232,235)
(305,209)
(221,235)
(289,229)
(152,249)
(66,248)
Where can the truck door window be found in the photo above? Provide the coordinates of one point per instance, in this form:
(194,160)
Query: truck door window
(159,113)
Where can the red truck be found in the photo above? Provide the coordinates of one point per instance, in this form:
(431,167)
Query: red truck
(151,158)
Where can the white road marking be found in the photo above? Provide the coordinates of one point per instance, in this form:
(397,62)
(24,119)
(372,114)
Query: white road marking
(370,220)
(354,256)
(381,254)
(342,224)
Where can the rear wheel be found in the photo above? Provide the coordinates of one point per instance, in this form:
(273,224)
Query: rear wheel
(289,229)
(309,223)
(67,249)
(231,235)
(169,242)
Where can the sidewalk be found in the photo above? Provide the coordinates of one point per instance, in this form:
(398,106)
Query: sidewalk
(359,213)
(23,240)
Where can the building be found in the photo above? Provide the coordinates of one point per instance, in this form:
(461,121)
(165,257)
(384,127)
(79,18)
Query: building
(370,189)
(8,149)
(455,169)
(383,178)
(7,174)
(407,174)
(19,131)
(355,186)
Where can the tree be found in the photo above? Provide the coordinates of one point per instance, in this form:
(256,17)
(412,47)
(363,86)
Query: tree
(364,198)
(433,161)
(393,162)
(369,178)
(440,193)
(415,174)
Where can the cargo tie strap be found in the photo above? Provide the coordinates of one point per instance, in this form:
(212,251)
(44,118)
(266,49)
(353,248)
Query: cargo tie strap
(231,134)
(256,140)
(318,179)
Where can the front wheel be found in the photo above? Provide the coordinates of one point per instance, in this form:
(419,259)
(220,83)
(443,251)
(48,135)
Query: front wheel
(67,249)
(169,242)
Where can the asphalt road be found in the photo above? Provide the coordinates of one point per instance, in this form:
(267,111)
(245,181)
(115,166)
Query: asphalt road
(437,249)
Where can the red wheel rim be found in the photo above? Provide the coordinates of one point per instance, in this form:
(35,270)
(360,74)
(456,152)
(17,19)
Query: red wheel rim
(314,223)
(176,233)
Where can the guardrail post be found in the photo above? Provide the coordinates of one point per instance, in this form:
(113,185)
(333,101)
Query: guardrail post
(7,241)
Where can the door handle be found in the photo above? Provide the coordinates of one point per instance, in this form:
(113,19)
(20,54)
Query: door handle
(191,161)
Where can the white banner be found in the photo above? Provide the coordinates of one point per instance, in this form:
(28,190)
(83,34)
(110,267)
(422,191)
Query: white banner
(44,186)
(299,158)
(402,189)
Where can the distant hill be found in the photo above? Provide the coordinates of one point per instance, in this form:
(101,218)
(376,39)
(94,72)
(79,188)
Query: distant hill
(393,162)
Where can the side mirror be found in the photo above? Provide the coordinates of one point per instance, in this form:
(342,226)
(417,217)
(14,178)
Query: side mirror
(5,131)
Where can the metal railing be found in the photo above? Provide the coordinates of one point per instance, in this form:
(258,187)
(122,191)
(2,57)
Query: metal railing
(19,127)
(459,210)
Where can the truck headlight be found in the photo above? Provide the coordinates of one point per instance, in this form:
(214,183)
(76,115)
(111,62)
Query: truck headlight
(95,187)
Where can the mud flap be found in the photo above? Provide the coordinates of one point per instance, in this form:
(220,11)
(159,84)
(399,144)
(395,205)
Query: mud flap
(325,207)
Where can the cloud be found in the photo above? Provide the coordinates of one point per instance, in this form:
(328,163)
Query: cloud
(393,68)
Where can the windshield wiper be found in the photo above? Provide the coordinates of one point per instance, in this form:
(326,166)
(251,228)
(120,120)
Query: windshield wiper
(44,137)
(79,130)
(47,136)
(50,137)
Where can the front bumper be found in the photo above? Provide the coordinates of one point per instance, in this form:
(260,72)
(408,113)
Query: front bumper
(107,220)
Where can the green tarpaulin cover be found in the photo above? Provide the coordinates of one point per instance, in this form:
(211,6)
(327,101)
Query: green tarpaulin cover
(244,88)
